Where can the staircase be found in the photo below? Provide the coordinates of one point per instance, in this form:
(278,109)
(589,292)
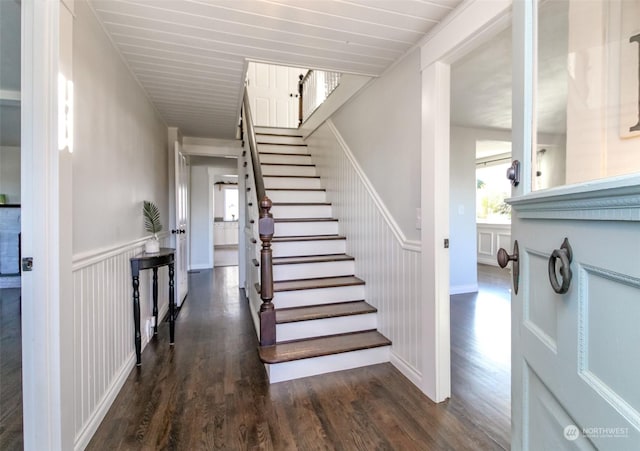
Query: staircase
(323,322)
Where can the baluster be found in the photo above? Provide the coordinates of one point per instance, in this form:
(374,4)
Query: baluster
(267,311)
(300,89)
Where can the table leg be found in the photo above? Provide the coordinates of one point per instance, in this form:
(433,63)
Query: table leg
(136,317)
(172,307)
(155,301)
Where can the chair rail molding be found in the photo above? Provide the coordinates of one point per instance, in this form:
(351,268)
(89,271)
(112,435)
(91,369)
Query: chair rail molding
(102,320)
(410,245)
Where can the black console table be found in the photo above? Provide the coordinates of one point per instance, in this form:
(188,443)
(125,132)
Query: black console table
(153,261)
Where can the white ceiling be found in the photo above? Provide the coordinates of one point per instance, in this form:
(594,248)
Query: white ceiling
(190,55)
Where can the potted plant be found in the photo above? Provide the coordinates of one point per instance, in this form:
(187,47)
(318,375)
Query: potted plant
(152,224)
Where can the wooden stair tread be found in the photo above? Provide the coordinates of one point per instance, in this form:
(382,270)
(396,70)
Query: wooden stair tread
(278,134)
(293,176)
(285,154)
(286,239)
(300,204)
(316,347)
(304,219)
(282,144)
(319,282)
(295,189)
(311,259)
(313,312)
(306,165)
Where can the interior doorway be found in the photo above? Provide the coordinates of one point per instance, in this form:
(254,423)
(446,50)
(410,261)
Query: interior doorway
(11,425)
(479,220)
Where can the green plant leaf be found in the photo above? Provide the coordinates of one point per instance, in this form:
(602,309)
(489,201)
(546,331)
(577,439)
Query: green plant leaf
(151,216)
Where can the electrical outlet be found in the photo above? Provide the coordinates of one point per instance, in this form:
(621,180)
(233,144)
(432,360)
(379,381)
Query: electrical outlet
(419,218)
(149,328)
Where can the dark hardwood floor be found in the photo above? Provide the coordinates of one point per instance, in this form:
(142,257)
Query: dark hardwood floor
(481,353)
(210,391)
(10,370)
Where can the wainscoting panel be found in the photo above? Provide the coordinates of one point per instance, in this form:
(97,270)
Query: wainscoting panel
(384,258)
(103,342)
(492,237)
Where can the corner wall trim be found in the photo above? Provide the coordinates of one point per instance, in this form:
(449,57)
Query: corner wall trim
(410,245)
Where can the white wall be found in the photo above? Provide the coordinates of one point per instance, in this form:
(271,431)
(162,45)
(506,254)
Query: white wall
(388,263)
(462,212)
(381,125)
(10,173)
(119,158)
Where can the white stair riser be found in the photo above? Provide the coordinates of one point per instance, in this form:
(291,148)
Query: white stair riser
(301,211)
(297,196)
(277,131)
(306,228)
(268,169)
(285,159)
(326,326)
(315,296)
(296,369)
(274,148)
(292,182)
(282,139)
(313,270)
(318,247)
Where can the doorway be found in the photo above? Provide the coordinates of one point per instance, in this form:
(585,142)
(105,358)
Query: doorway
(479,221)
(10,223)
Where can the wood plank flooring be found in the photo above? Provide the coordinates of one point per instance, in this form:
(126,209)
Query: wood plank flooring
(10,370)
(210,391)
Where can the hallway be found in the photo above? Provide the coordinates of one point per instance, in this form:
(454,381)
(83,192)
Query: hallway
(210,392)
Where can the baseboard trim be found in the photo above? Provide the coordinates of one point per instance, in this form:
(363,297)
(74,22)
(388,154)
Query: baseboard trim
(90,428)
(407,370)
(459,289)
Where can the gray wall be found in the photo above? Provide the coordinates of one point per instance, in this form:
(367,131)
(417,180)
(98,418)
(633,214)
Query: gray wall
(120,156)
(381,126)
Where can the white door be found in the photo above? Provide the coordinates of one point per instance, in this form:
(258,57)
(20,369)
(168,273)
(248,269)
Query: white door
(182,227)
(273,92)
(576,348)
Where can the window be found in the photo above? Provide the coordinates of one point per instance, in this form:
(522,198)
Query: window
(231,204)
(492,188)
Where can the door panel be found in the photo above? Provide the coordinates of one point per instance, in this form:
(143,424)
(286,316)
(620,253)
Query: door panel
(580,350)
(273,92)
(182,227)
(575,355)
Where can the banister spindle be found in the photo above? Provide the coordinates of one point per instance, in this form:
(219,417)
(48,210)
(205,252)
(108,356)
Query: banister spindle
(300,86)
(267,311)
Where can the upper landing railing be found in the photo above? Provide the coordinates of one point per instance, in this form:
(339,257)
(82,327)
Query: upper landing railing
(313,90)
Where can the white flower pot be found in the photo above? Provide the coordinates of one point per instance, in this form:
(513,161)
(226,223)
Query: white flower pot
(152,245)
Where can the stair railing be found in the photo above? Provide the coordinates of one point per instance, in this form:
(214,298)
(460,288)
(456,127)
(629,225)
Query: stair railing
(265,230)
(313,89)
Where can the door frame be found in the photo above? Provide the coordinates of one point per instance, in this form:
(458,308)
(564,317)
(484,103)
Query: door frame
(475,23)
(47,364)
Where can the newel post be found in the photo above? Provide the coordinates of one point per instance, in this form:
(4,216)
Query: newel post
(267,311)
(300,86)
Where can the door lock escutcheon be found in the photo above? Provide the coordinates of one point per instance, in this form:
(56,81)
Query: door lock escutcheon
(27,264)
(504,258)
